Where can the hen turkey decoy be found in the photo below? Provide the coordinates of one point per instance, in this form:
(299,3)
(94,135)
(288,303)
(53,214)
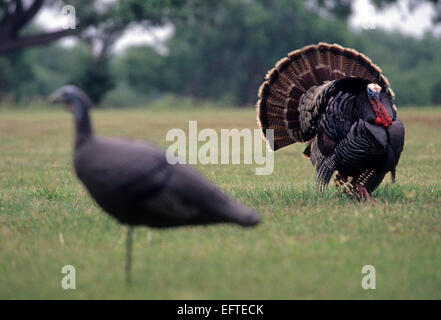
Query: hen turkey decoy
(133,182)
(337,101)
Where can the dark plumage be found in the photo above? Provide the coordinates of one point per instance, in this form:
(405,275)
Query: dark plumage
(133,182)
(338,101)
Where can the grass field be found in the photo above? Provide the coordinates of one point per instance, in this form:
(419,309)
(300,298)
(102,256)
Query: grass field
(308,246)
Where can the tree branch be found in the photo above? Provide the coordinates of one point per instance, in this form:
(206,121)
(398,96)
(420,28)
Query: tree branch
(6,13)
(27,15)
(18,7)
(28,41)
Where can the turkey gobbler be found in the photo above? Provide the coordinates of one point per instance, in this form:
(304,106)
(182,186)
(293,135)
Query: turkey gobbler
(336,100)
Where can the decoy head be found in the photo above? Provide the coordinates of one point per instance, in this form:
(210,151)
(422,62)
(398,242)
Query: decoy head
(70,95)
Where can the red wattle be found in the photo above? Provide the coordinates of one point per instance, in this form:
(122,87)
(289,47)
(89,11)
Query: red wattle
(382,117)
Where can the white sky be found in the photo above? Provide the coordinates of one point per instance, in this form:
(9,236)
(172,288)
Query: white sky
(395,17)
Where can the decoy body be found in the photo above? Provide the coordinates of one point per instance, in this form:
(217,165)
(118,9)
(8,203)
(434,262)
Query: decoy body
(133,182)
(338,101)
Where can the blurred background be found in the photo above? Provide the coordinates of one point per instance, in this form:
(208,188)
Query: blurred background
(171,52)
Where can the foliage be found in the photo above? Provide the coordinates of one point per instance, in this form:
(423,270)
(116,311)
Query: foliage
(14,72)
(413,66)
(143,69)
(225,52)
(99,24)
(220,50)
(23,78)
(96,77)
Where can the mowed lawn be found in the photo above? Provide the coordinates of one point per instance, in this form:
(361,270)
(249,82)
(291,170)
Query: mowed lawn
(308,246)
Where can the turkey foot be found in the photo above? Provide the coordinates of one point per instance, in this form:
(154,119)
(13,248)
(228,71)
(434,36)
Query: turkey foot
(363,194)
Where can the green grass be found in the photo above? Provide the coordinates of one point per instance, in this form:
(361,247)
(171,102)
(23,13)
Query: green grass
(309,245)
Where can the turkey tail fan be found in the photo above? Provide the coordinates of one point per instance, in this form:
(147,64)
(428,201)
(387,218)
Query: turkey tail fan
(313,65)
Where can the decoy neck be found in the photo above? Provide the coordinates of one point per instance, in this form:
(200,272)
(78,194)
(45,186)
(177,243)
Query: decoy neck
(83,126)
(76,101)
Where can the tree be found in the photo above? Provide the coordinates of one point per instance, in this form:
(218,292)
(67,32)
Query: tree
(222,49)
(14,17)
(99,25)
(109,18)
